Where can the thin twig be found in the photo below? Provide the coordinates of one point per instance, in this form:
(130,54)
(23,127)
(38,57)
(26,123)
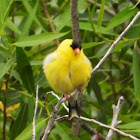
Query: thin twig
(48,17)
(35,111)
(109,127)
(115,122)
(110,12)
(94,121)
(58,99)
(53,116)
(91,131)
(115,43)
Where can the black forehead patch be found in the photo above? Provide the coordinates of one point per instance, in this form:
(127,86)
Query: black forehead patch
(75,45)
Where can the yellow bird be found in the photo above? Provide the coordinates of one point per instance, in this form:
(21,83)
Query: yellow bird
(67,69)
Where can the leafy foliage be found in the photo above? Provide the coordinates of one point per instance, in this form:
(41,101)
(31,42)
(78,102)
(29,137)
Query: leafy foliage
(26,38)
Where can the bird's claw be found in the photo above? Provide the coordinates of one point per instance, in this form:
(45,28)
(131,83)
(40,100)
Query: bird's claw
(67,96)
(80,88)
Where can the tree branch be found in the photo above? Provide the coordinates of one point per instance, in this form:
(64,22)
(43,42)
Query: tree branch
(56,108)
(53,116)
(35,111)
(87,119)
(74,19)
(91,131)
(48,17)
(115,43)
(76,122)
(109,127)
(115,122)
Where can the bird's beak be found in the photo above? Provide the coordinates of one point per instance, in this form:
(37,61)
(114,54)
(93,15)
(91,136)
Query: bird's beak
(77,51)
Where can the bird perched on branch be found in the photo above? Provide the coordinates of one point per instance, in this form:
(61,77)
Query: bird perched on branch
(67,69)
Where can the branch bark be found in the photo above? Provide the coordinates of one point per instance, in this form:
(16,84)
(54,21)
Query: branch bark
(94,121)
(76,122)
(91,131)
(53,116)
(74,20)
(109,127)
(48,17)
(115,122)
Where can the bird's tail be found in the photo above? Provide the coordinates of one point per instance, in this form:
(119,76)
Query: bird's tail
(75,105)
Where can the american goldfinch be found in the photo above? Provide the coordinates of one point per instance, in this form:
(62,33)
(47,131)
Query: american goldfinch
(67,69)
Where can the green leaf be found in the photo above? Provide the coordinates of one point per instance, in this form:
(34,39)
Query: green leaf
(133,32)
(5,6)
(65,17)
(12,26)
(25,70)
(40,79)
(20,123)
(29,21)
(1,16)
(31,105)
(100,15)
(97,91)
(122,17)
(30,11)
(35,63)
(38,39)
(4,67)
(12,94)
(61,131)
(91,44)
(132,125)
(4,51)
(136,73)
(27,132)
(88,27)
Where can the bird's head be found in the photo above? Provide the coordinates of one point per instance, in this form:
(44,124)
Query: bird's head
(76,47)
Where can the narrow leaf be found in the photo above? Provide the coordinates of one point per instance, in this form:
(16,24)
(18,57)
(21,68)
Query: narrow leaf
(122,17)
(25,70)
(5,67)
(61,131)
(20,122)
(132,125)
(29,9)
(38,39)
(91,44)
(27,132)
(29,21)
(88,27)
(12,26)
(100,16)
(136,73)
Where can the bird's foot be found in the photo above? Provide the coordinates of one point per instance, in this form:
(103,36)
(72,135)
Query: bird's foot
(80,88)
(67,96)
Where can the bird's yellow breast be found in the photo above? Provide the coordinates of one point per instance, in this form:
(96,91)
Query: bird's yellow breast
(65,71)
